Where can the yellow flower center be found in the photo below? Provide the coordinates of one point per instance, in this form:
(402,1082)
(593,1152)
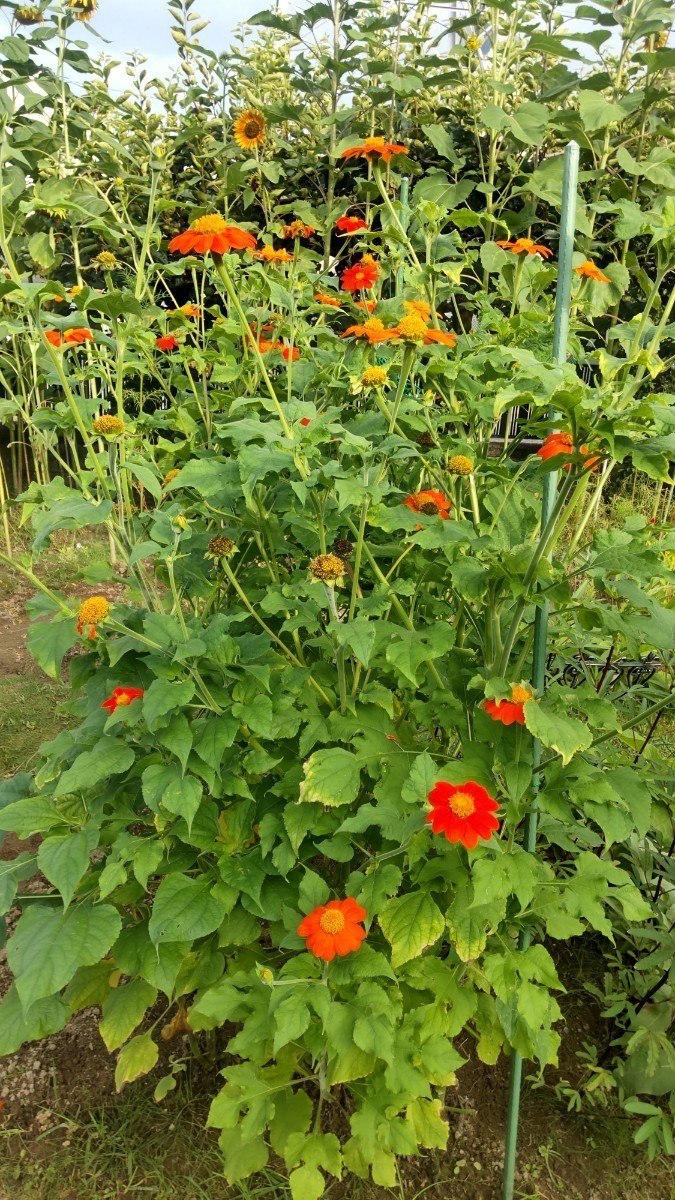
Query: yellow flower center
(373,325)
(332,921)
(212,223)
(374,377)
(124,699)
(412,328)
(374,143)
(460,465)
(462,804)
(93,610)
(520,695)
(252,128)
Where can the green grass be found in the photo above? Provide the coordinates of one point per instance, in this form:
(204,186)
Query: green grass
(29,716)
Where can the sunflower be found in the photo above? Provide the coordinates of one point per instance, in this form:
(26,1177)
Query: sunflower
(28,14)
(249,129)
(83,9)
(463,812)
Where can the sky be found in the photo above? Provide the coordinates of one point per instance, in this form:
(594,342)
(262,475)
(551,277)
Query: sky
(145,25)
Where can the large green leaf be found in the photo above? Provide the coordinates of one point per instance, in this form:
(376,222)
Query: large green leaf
(411,924)
(137,1058)
(184,909)
(548,721)
(49,945)
(16,1027)
(332,778)
(109,756)
(49,641)
(63,860)
(123,1010)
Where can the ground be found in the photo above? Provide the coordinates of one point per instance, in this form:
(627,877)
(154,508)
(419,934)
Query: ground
(68,1136)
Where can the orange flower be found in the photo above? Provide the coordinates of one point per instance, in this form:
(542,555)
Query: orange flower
(527,246)
(334,928)
(562,444)
(211,235)
(463,812)
(368,305)
(508,711)
(373,329)
(168,342)
(363,275)
(187,310)
(324,298)
(121,698)
(264,345)
(290,353)
(298,229)
(419,307)
(350,224)
(589,269)
(92,610)
(269,254)
(71,337)
(373,149)
(556,443)
(305,421)
(430,502)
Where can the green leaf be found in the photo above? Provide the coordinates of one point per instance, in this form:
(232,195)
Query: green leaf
(49,641)
(184,909)
(307,1183)
(137,1058)
(64,860)
(163,697)
(421,780)
(183,797)
(123,1010)
(292,1117)
(431,1128)
(598,113)
(358,635)
(108,757)
(45,1017)
(332,778)
(411,924)
(469,928)
(49,945)
(291,1019)
(548,721)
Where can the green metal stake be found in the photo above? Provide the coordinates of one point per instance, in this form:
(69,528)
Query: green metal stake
(560,333)
(405,218)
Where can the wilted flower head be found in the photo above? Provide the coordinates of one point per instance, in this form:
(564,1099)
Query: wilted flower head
(220,547)
(328,568)
(106,261)
(28,14)
(83,9)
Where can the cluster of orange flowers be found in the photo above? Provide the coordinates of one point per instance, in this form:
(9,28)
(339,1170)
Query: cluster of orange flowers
(413,328)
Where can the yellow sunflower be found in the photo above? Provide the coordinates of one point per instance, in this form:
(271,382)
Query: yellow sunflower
(249,129)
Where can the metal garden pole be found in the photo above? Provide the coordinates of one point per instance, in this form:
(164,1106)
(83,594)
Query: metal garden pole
(560,332)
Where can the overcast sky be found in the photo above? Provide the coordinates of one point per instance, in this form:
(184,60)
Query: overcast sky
(145,25)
